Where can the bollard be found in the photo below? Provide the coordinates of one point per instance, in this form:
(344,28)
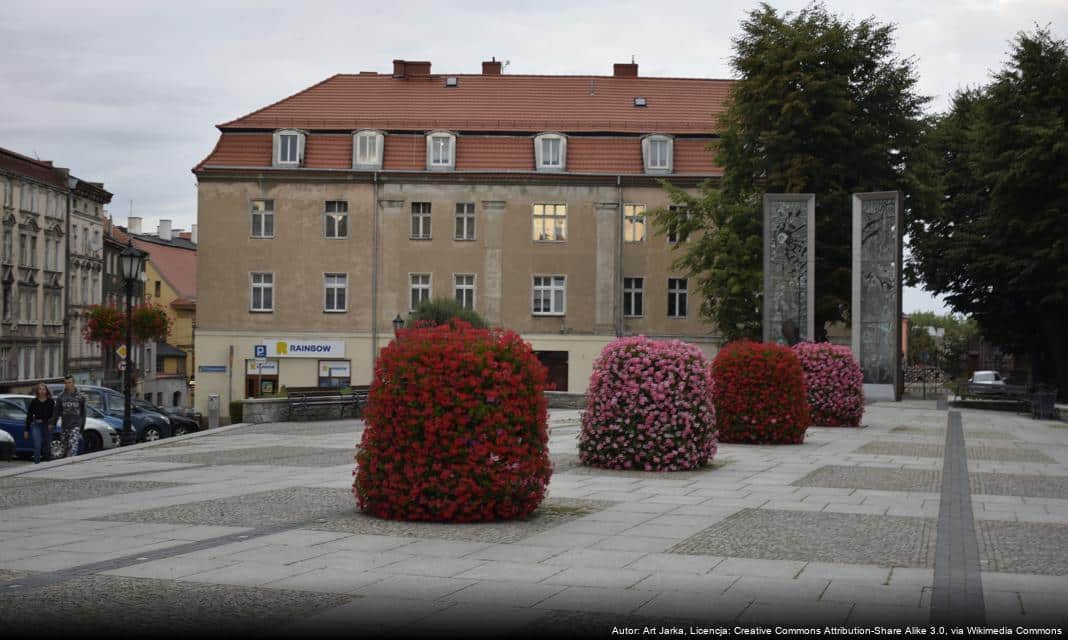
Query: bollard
(213,411)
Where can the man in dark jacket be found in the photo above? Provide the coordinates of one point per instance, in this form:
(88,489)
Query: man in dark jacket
(70,406)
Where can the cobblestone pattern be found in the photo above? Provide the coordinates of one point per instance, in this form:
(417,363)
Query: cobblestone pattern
(1023,547)
(21,491)
(927,481)
(817,536)
(275,456)
(918,450)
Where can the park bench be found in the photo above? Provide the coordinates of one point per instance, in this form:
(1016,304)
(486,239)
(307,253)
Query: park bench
(302,400)
(1039,398)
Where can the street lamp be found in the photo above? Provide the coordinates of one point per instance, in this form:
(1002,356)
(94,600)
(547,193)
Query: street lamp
(398,322)
(132,261)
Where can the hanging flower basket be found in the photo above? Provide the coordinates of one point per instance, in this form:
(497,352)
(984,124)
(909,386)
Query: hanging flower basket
(104,325)
(150,323)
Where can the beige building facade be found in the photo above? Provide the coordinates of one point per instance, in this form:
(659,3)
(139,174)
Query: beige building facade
(311,264)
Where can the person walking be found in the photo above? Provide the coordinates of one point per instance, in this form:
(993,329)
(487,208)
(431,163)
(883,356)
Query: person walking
(39,421)
(70,407)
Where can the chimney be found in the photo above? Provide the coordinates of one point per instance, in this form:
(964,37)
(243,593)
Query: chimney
(491,67)
(193,234)
(163,232)
(133,225)
(625,70)
(410,69)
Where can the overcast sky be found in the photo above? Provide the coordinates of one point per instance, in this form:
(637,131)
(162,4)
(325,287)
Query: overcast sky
(128,93)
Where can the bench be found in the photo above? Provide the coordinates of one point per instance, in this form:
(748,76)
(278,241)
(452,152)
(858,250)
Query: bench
(1039,398)
(302,400)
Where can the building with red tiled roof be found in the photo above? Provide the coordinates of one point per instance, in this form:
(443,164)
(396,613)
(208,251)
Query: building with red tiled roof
(329,213)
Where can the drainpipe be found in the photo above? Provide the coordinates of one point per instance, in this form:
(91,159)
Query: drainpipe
(374,269)
(619,260)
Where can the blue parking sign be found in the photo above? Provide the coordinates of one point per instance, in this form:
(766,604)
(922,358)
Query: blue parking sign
(261,351)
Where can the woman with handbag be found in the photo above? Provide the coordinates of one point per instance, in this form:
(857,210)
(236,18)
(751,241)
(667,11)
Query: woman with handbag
(37,421)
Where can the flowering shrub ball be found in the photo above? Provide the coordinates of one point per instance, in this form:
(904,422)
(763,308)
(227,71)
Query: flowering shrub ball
(456,428)
(759,392)
(834,382)
(648,407)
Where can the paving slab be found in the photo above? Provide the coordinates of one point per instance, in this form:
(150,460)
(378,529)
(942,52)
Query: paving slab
(22,491)
(1023,547)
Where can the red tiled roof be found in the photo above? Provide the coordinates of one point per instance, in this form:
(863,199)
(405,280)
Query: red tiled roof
(326,152)
(529,103)
(178,266)
(693,156)
(476,153)
(404,152)
(600,155)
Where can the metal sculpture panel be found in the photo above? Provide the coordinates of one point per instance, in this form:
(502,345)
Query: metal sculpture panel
(789,265)
(876,312)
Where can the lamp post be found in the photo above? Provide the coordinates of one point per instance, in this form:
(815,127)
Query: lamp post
(132,262)
(398,322)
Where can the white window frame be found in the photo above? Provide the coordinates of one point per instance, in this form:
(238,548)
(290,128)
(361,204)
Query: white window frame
(538,230)
(427,286)
(263,286)
(551,284)
(674,237)
(635,221)
(648,157)
(464,218)
(542,161)
(277,148)
(465,290)
(434,162)
(335,282)
(368,136)
(679,294)
(634,292)
(426,229)
(266,212)
(337,216)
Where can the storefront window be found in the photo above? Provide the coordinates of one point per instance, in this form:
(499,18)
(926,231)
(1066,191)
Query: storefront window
(334,373)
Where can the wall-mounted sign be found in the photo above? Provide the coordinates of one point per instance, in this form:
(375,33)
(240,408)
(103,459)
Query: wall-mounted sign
(269,368)
(334,369)
(212,368)
(260,351)
(287,348)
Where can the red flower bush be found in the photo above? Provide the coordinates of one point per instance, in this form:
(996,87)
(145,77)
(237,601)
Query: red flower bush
(834,382)
(759,393)
(648,407)
(456,428)
(150,323)
(106,325)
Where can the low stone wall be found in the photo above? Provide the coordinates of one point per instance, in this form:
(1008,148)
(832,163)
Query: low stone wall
(561,400)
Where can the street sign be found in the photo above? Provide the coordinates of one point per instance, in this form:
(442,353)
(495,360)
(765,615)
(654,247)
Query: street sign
(121,351)
(260,351)
(122,365)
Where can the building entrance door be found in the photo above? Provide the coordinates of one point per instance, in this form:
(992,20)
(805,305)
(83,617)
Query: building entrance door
(556,363)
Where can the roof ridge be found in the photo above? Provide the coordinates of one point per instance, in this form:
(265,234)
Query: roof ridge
(305,90)
(533,75)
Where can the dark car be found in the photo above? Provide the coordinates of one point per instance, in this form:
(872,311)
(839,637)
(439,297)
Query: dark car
(149,425)
(180,424)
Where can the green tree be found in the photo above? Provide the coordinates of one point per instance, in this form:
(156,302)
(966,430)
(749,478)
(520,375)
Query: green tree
(443,311)
(822,106)
(996,247)
(948,352)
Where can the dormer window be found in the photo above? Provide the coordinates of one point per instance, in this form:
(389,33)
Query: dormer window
(367,150)
(440,151)
(288,148)
(550,152)
(657,152)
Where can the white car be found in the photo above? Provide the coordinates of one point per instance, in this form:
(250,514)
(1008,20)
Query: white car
(13,407)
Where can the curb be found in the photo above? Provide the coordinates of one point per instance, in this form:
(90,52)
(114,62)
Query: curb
(86,457)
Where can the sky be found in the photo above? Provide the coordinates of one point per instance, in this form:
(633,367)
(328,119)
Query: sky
(129,93)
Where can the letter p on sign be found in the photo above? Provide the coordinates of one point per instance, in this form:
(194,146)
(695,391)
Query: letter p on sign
(260,351)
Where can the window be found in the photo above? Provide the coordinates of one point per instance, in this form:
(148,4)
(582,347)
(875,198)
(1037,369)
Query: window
(336,219)
(5,197)
(674,235)
(549,295)
(676,298)
(634,223)
(289,147)
(633,297)
(465,220)
(335,373)
(657,152)
(8,303)
(440,150)
(5,357)
(85,290)
(28,306)
(25,197)
(420,221)
(419,289)
(33,251)
(465,289)
(262,292)
(73,237)
(263,218)
(23,252)
(367,150)
(8,245)
(336,285)
(550,151)
(550,222)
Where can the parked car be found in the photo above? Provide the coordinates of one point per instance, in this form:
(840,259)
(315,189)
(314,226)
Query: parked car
(180,424)
(13,408)
(7,446)
(149,425)
(986,383)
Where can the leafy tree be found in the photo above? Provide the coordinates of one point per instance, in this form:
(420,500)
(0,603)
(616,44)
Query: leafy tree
(822,106)
(950,351)
(443,311)
(996,247)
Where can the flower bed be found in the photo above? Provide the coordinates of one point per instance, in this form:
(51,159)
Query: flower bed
(648,407)
(759,393)
(834,383)
(456,428)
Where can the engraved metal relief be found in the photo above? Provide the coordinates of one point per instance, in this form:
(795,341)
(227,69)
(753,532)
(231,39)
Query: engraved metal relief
(879,275)
(786,263)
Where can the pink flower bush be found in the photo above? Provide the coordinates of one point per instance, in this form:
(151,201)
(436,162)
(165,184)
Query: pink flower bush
(649,407)
(835,384)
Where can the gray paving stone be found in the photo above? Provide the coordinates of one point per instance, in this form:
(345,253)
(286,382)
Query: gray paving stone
(699,607)
(275,456)
(522,553)
(755,567)
(371,614)
(169,568)
(845,591)
(414,587)
(591,577)
(689,582)
(870,615)
(434,566)
(795,613)
(593,558)
(504,593)
(482,620)
(764,589)
(596,600)
(851,477)
(675,563)
(919,450)
(1022,547)
(825,537)
(868,574)
(509,571)
(21,491)
(628,542)
(249,574)
(326,580)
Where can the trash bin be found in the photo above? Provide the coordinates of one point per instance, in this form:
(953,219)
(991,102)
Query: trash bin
(1042,403)
(213,411)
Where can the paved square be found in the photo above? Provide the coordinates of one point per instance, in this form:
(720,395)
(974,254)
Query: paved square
(826,537)
(1023,547)
(916,450)
(20,491)
(275,456)
(872,478)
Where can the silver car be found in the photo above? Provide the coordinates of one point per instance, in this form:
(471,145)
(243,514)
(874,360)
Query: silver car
(986,383)
(98,434)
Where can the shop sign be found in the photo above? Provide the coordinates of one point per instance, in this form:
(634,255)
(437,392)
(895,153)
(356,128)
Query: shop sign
(265,368)
(287,348)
